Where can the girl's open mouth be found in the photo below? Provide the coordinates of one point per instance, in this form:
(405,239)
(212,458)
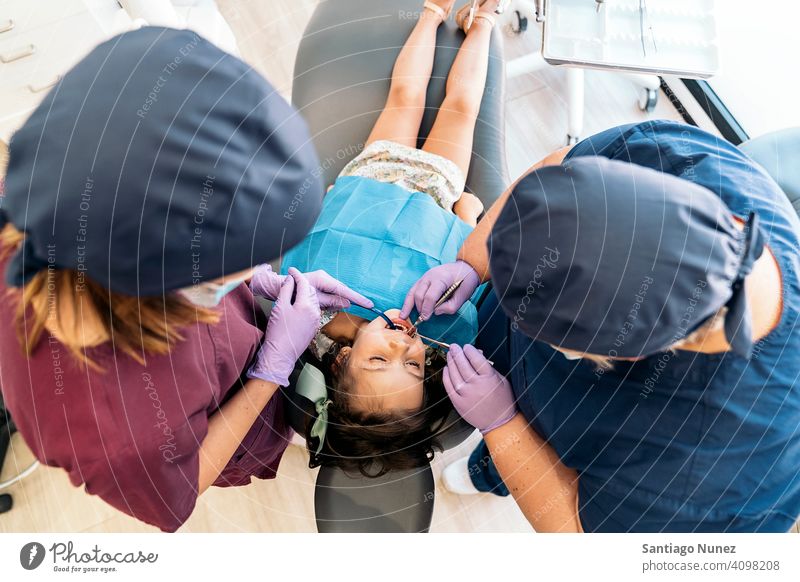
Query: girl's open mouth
(404,326)
(402,323)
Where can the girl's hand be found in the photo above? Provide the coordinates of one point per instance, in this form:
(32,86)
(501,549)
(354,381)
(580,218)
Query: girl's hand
(468,208)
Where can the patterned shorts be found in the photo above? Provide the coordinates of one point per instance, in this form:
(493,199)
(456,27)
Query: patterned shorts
(413,169)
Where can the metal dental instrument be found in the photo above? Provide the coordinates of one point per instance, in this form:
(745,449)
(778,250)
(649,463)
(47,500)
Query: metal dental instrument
(433,341)
(447,295)
(441,344)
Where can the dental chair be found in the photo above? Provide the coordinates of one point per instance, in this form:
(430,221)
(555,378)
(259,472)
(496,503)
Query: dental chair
(399,501)
(341,80)
(778,153)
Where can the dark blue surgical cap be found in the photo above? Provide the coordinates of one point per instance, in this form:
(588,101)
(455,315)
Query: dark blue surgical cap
(614,259)
(157,162)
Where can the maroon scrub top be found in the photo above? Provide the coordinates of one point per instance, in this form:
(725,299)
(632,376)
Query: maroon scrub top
(132,432)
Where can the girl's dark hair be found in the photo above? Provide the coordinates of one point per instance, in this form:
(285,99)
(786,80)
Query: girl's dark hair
(373,444)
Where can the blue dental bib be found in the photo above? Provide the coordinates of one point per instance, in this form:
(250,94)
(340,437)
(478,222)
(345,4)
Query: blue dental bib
(379,239)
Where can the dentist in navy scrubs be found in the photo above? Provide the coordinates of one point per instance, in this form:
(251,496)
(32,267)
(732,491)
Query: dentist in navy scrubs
(644,331)
(142,196)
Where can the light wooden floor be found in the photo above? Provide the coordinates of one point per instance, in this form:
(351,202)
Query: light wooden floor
(268,34)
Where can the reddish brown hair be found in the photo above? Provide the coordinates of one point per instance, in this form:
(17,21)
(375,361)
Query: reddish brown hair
(138,325)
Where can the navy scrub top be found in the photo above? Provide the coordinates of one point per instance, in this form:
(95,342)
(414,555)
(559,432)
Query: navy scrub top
(682,441)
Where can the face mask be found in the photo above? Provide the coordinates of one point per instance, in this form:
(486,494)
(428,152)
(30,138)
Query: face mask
(210,294)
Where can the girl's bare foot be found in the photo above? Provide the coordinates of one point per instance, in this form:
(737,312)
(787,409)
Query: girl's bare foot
(444,5)
(484,13)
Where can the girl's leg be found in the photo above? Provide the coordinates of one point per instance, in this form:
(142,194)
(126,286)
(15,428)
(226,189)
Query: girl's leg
(402,114)
(452,132)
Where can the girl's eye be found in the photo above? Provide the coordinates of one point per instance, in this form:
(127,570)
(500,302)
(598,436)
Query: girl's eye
(377,359)
(415,364)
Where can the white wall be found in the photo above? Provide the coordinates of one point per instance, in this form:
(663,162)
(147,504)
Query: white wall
(760,78)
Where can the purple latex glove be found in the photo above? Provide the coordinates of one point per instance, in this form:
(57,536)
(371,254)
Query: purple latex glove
(331,294)
(432,285)
(481,395)
(266,283)
(292,325)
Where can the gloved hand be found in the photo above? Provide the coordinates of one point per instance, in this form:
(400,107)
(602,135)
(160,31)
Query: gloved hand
(266,283)
(432,285)
(331,294)
(480,394)
(292,325)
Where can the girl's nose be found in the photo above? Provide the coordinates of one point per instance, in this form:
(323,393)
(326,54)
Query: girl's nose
(400,344)
(410,348)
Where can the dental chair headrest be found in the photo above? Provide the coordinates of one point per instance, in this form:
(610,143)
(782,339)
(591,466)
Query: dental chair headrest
(307,394)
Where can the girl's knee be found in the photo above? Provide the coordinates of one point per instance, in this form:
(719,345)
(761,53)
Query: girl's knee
(467,104)
(406,94)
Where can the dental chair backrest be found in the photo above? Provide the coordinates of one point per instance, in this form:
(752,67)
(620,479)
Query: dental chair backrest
(341,80)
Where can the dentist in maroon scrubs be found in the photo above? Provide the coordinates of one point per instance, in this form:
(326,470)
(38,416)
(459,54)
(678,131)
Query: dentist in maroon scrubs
(140,196)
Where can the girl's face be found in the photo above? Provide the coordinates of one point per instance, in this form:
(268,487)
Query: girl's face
(387,367)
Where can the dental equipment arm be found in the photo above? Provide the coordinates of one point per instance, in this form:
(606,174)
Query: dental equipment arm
(474,250)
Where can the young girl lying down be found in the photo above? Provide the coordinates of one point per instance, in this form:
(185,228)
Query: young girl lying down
(393,213)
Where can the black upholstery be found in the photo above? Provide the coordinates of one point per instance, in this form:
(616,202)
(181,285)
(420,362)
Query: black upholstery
(400,501)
